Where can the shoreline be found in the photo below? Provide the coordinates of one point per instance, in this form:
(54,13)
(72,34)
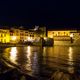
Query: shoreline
(17,68)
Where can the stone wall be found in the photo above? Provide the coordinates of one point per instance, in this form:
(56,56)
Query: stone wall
(62,42)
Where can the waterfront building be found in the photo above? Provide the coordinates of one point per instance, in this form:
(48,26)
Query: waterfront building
(18,35)
(37,33)
(4,36)
(31,35)
(21,35)
(64,37)
(61,34)
(14,35)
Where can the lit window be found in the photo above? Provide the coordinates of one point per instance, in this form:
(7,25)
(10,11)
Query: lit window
(11,34)
(1,40)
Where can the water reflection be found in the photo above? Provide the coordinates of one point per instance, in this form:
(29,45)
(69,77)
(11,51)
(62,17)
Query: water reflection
(71,68)
(44,60)
(13,54)
(35,64)
(28,55)
(44,54)
(70,54)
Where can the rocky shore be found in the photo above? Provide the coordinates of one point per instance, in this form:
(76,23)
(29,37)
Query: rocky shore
(10,72)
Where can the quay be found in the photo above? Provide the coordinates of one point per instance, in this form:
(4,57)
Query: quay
(42,42)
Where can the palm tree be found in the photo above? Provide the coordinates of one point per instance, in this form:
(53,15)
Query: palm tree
(40,32)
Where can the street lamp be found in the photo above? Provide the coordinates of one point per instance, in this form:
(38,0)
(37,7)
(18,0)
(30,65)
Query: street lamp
(71,36)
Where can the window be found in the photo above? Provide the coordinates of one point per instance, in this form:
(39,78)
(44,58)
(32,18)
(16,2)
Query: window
(1,40)
(21,34)
(1,35)
(32,35)
(26,32)
(11,34)
(11,31)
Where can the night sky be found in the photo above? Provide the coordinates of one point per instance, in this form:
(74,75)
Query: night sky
(50,13)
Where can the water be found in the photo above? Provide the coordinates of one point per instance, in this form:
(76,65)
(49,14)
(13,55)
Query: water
(44,62)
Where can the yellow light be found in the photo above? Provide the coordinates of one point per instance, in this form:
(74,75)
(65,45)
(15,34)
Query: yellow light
(29,39)
(28,66)
(45,38)
(28,50)
(13,38)
(70,68)
(13,54)
(70,54)
(71,35)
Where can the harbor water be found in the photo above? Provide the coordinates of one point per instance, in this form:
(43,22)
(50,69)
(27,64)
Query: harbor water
(46,62)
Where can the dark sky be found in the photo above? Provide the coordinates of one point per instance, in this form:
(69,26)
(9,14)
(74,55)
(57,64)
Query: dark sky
(50,13)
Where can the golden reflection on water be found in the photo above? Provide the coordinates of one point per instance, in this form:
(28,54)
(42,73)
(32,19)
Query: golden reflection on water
(13,54)
(6,51)
(44,54)
(70,55)
(31,58)
(71,68)
(28,52)
(35,64)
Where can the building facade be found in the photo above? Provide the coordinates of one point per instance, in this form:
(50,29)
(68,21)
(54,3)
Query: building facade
(20,35)
(65,37)
(61,34)
(4,36)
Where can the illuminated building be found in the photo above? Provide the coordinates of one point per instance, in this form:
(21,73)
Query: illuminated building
(21,35)
(36,33)
(65,37)
(61,34)
(31,35)
(14,35)
(4,36)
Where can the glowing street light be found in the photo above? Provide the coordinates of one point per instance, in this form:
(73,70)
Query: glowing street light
(71,35)
(29,39)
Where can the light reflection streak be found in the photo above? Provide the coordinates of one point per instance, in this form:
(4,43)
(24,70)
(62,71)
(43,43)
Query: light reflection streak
(28,65)
(35,64)
(13,54)
(44,51)
(70,68)
(28,51)
(70,54)
(44,54)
